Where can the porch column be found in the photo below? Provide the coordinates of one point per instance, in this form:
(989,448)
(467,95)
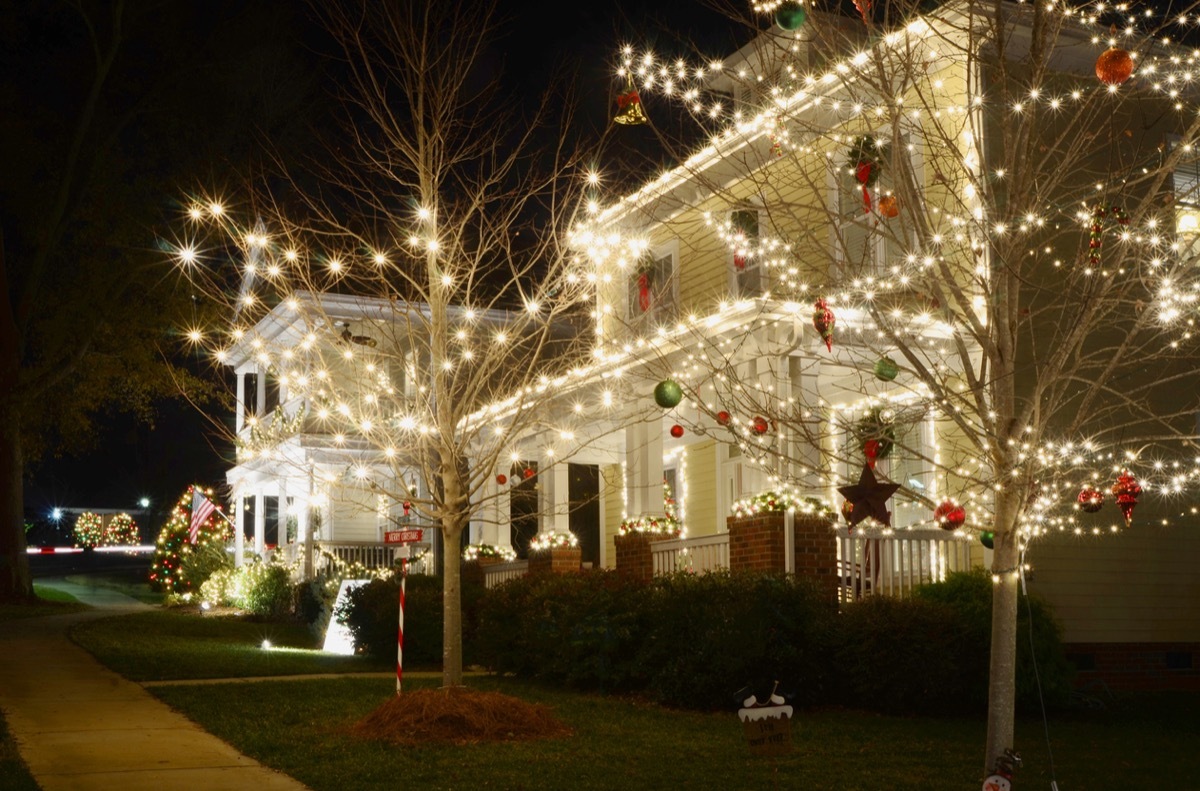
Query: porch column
(260,523)
(282,512)
(554,498)
(644,468)
(240,407)
(260,395)
(239,527)
(491,516)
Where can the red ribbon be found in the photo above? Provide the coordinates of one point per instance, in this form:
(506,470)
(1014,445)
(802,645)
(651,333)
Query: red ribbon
(626,99)
(644,292)
(863,174)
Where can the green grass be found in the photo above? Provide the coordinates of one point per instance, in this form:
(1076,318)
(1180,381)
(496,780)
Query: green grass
(300,728)
(164,644)
(50,602)
(131,583)
(53,595)
(14,776)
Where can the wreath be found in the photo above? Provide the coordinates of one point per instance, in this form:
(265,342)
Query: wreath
(865,161)
(876,436)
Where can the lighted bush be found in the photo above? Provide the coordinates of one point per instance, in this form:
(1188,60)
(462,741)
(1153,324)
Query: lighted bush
(89,529)
(198,563)
(120,530)
(263,589)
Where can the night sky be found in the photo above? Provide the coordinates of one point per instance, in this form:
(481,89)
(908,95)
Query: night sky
(131,458)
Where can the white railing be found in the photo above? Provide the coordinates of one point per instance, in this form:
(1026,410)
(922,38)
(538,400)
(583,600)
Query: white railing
(499,573)
(371,554)
(699,555)
(892,565)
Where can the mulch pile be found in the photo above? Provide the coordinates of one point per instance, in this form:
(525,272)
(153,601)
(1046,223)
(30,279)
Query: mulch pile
(458,715)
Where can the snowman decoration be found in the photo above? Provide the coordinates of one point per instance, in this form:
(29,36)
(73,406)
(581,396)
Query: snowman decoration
(1001,778)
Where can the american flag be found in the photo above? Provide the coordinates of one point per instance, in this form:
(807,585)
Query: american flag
(202,509)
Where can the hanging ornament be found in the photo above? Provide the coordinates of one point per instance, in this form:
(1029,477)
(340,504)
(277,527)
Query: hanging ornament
(864,9)
(361,340)
(407,506)
(677,431)
(629,107)
(1090,499)
(668,394)
(988,539)
(866,162)
(529,473)
(1100,216)
(889,207)
(949,515)
(1114,66)
(739,261)
(643,284)
(871,451)
(501,479)
(791,16)
(1126,490)
(847,510)
(868,498)
(723,418)
(823,321)
(877,434)
(760,425)
(886,369)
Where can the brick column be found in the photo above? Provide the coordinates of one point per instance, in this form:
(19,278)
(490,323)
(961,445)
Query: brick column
(816,552)
(756,543)
(633,556)
(555,561)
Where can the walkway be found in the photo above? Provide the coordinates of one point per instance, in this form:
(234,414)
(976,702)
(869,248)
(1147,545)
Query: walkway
(81,727)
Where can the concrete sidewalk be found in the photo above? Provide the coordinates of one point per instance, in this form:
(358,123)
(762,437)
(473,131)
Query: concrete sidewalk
(81,727)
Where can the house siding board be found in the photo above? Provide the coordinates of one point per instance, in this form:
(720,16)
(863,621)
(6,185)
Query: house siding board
(611,485)
(1138,586)
(701,515)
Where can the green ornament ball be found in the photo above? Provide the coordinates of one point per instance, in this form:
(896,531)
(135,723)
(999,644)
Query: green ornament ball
(668,394)
(988,539)
(791,16)
(886,369)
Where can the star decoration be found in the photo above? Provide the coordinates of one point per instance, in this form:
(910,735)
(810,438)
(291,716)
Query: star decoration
(868,497)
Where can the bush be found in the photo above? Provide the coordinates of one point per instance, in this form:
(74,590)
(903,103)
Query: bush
(263,589)
(372,611)
(201,561)
(969,594)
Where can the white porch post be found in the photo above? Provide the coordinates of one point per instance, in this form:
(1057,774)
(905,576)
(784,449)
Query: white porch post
(644,468)
(260,523)
(260,395)
(491,514)
(240,408)
(282,513)
(239,527)
(554,499)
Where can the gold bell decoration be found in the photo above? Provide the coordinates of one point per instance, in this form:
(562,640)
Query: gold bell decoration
(629,108)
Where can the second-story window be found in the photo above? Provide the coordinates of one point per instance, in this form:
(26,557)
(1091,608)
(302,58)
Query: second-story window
(748,277)
(1185,183)
(869,232)
(654,289)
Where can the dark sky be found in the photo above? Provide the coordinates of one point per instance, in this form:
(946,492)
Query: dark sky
(133,459)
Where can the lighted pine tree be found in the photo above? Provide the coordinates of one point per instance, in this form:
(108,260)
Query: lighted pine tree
(121,529)
(173,545)
(89,528)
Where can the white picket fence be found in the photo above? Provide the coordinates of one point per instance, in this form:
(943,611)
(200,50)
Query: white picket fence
(697,555)
(895,564)
(498,573)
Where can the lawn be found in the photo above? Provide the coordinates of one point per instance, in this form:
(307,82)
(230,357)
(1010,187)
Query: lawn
(14,776)
(131,582)
(168,644)
(299,727)
(50,602)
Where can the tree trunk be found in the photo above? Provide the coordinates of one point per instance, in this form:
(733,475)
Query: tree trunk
(452,654)
(16,584)
(1002,677)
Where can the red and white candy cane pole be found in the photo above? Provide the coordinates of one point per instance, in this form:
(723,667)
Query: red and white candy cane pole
(400,627)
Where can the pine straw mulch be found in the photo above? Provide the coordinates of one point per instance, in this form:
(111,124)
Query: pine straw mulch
(458,715)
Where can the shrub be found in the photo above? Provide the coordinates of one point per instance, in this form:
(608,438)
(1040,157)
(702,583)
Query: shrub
(970,595)
(263,589)
(201,561)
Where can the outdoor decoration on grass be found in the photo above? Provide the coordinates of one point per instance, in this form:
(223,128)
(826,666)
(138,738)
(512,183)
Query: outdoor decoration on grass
(89,529)
(458,715)
(543,542)
(120,530)
(173,542)
(478,551)
(868,498)
(1001,777)
(767,724)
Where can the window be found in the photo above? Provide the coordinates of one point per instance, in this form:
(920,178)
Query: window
(866,243)
(748,277)
(1185,182)
(653,290)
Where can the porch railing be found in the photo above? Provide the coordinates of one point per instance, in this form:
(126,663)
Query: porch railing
(699,555)
(498,573)
(895,564)
(371,555)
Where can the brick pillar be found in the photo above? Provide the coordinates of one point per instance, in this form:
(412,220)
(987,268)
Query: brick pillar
(555,561)
(474,570)
(816,552)
(756,543)
(633,556)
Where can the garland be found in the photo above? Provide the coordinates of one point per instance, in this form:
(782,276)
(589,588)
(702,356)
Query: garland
(770,502)
(545,541)
(477,551)
(654,525)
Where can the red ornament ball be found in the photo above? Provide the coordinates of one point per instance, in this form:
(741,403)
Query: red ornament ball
(1114,66)
(529,472)
(676,431)
(760,425)
(501,479)
(949,515)
(723,418)
(1090,499)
